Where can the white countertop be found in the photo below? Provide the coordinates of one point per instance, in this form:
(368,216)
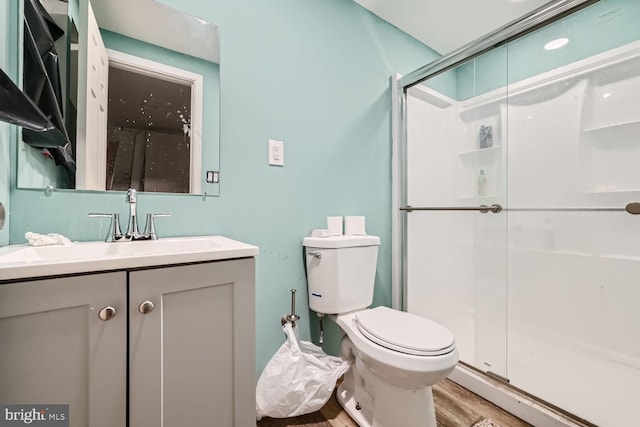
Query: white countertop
(22,261)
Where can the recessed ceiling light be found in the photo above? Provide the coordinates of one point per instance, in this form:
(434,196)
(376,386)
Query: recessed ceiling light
(556,44)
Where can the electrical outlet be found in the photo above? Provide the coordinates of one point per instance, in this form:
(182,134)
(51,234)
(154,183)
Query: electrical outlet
(276,153)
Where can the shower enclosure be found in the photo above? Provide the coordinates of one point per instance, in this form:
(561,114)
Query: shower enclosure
(518,192)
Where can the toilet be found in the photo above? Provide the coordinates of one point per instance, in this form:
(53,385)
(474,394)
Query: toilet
(395,356)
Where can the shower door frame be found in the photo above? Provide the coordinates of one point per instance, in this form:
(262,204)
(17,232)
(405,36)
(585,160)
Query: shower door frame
(478,382)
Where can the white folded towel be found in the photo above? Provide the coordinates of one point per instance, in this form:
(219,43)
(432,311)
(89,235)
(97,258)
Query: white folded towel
(36,239)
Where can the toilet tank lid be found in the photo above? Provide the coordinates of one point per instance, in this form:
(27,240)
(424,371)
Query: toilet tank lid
(334,242)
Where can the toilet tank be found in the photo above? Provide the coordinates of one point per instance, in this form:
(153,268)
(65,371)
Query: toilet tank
(341,272)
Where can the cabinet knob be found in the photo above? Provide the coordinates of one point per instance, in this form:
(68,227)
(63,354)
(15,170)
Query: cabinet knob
(107,313)
(146,307)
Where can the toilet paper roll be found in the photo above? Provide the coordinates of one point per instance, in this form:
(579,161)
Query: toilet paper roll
(334,224)
(354,226)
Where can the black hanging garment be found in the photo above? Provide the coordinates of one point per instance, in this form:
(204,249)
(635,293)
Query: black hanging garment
(38,108)
(42,83)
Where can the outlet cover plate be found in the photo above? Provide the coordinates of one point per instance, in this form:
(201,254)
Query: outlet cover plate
(276,152)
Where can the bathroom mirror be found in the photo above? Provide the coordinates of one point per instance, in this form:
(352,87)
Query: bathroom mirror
(141,100)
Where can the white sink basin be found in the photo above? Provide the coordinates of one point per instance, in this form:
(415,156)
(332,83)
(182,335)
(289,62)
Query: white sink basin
(21,261)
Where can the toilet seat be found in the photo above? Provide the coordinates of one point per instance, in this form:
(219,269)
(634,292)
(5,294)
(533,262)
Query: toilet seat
(404,332)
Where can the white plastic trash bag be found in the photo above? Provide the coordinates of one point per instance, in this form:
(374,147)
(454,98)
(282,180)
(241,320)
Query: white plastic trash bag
(298,380)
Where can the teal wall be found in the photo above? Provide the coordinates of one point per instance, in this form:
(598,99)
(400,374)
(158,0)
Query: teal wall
(596,29)
(315,74)
(445,83)
(37,170)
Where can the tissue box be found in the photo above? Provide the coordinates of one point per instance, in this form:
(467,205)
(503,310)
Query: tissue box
(354,226)
(334,224)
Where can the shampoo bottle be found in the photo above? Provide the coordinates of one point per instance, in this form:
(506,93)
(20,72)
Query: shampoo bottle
(482,184)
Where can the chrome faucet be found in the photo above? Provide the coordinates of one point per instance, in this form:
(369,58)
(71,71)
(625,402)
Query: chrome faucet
(132,229)
(133,232)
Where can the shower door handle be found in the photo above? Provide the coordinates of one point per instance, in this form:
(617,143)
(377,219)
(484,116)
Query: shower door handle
(495,208)
(633,208)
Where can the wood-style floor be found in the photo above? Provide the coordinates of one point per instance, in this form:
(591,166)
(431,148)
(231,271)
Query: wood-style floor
(455,407)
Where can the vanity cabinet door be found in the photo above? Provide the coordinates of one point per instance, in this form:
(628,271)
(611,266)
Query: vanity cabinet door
(55,349)
(192,345)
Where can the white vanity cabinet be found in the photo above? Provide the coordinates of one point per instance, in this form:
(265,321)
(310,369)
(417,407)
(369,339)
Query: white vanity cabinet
(181,345)
(55,349)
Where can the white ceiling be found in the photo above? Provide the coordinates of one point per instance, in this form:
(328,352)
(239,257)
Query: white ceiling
(445,25)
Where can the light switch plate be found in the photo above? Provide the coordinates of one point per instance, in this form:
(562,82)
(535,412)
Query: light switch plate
(213,177)
(276,153)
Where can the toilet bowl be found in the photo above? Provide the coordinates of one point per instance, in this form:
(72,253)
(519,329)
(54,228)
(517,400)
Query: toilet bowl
(395,356)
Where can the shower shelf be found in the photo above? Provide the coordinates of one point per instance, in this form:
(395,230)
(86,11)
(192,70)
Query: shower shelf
(480,156)
(614,190)
(612,126)
(495,149)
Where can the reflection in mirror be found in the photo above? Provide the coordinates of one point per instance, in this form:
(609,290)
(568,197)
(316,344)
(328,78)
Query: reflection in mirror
(142,104)
(149,133)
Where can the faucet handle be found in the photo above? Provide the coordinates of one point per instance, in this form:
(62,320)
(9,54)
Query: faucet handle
(150,227)
(115,233)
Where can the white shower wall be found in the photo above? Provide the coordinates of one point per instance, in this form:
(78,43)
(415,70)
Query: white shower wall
(545,293)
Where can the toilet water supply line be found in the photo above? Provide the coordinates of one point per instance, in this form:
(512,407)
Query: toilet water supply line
(320,317)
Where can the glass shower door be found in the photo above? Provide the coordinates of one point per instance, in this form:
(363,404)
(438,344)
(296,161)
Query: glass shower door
(573,259)
(456,249)
(544,293)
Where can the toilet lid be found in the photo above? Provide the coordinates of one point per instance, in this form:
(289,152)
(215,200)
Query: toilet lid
(405,332)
